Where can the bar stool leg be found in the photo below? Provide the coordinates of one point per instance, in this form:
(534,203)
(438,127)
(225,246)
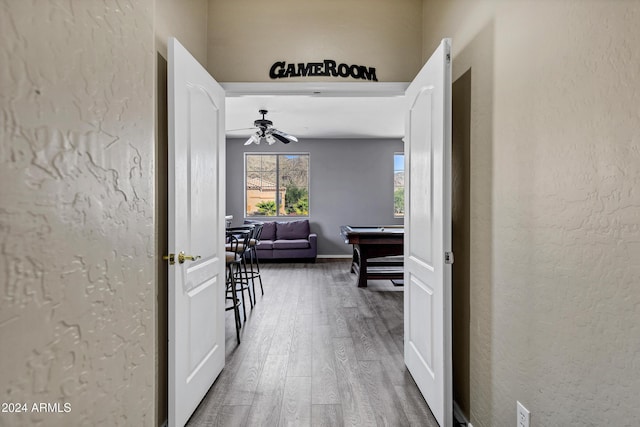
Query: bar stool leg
(240,286)
(254,255)
(249,275)
(255,273)
(234,298)
(235,289)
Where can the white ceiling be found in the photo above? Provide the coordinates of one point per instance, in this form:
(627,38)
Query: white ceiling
(318,110)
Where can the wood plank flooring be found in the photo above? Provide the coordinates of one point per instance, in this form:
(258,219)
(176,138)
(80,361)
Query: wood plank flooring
(316,351)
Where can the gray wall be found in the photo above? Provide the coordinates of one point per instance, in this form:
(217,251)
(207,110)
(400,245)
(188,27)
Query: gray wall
(351,182)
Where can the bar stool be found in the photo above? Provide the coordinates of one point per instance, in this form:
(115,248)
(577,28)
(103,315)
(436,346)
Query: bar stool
(253,259)
(240,275)
(252,272)
(232,259)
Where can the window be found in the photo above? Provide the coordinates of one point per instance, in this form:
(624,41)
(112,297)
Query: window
(398,185)
(276,185)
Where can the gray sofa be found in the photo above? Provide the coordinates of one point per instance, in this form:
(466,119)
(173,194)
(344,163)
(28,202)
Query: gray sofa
(291,240)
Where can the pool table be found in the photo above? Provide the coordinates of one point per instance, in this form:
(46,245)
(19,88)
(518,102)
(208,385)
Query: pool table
(375,242)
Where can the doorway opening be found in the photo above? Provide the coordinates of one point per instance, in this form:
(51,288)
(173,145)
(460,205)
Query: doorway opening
(161,144)
(461,220)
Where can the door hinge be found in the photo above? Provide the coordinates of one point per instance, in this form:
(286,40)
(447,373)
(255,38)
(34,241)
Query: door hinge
(448,257)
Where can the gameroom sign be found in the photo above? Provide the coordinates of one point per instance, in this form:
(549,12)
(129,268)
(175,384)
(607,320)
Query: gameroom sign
(328,67)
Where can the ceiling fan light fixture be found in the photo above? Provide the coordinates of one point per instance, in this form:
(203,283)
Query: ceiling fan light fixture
(253,139)
(270,139)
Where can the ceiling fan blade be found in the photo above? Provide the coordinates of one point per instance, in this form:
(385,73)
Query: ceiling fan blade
(290,138)
(238,130)
(280,138)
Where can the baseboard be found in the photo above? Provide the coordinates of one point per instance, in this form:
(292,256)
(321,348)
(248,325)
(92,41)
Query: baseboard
(459,415)
(341,256)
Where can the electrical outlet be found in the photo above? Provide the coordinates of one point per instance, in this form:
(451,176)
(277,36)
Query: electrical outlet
(523,415)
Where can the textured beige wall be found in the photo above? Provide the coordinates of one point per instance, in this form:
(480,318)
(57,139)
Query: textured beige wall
(247,37)
(76,219)
(555,205)
(185,20)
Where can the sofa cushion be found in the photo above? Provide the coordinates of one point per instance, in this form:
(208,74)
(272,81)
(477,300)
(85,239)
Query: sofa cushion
(268,231)
(292,230)
(265,244)
(291,244)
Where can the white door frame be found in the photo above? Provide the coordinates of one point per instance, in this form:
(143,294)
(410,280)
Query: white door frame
(325,89)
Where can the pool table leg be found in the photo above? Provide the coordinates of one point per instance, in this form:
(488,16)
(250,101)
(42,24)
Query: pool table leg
(362,272)
(359,265)
(361,252)
(355,260)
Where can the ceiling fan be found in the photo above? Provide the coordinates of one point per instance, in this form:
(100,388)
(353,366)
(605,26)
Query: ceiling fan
(266,131)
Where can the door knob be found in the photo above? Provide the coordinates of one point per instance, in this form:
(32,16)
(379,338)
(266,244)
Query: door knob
(182,257)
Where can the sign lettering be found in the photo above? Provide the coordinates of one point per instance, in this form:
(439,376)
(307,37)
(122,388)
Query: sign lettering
(281,70)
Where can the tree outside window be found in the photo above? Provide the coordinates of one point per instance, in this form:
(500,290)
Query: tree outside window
(277,185)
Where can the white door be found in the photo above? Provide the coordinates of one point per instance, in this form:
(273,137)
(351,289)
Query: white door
(427,276)
(196,227)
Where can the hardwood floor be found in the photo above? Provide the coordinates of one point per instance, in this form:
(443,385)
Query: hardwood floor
(316,351)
